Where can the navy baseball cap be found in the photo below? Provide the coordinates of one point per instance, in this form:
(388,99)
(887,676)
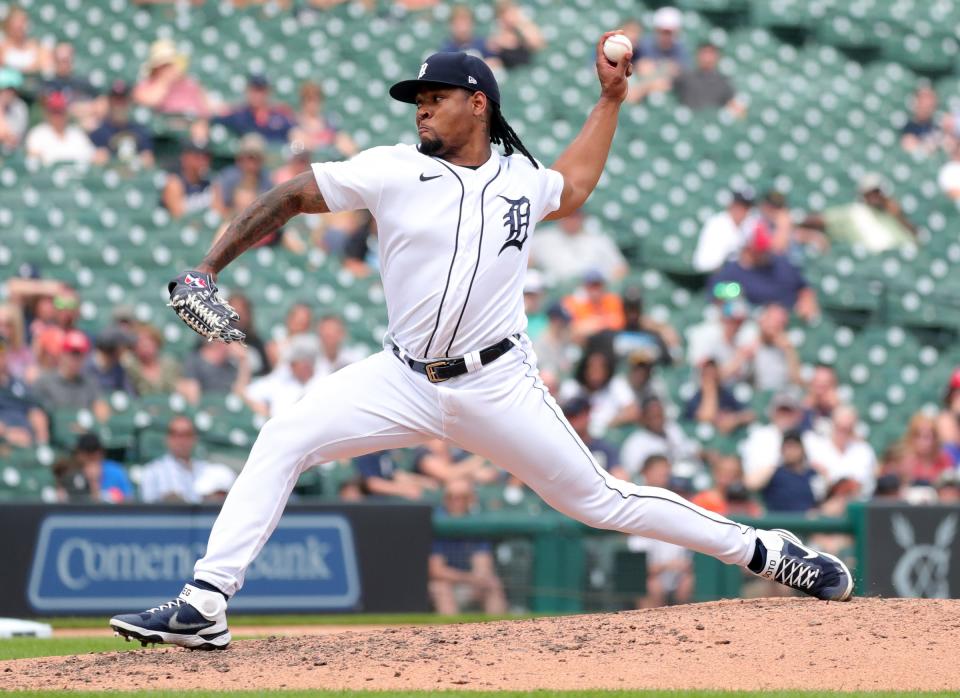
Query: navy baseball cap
(450,70)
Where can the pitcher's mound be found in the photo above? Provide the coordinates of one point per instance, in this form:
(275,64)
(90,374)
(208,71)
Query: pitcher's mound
(896,644)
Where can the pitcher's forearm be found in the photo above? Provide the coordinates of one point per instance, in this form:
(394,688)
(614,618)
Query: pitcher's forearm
(262,218)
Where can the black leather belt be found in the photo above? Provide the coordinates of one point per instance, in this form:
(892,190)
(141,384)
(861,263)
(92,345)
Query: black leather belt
(444,369)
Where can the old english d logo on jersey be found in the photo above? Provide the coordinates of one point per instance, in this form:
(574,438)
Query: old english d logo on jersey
(517,222)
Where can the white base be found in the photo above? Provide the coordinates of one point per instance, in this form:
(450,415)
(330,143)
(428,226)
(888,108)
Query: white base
(14,627)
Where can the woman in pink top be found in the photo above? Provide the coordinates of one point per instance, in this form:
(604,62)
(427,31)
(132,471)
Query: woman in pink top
(166,88)
(315,130)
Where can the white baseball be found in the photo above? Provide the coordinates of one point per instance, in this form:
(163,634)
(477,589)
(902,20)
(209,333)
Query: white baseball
(616,46)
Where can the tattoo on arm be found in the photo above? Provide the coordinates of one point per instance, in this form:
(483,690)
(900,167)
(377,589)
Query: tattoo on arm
(265,216)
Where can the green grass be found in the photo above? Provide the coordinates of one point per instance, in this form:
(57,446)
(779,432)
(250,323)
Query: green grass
(326,619)
(474,694)
(22,647)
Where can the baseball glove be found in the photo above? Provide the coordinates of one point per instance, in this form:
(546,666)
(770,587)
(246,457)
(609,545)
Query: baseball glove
(195,298)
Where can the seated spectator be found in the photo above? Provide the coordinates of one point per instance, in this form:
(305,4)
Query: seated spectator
(106,480)
(515,37)
(106,365)
(715,404)
(463,37)
(633,30)
(948,488)
(298,162)
(165,86)
(921,134)
(593,308)
(270,121)
(533,288)
(20,361)
(949,177)
(335,353)
(256,348)
(118,137)
(177,476)
(215,369)
(924,458)
(656,435)
(643,384)
(793,486)
(380,477)
(641,331)
(239,184)
(577,412)
(298,320)
(877,223)
(669,567)
(770,361)
(663,55)
(720,336)
(14,116)
(84,103)
(188,189)
(595,378)
(759,451)
(462,571)
(727,495)
(22,422)
(55,139)
(842,455)
(775,214)
(821,398)
(317,129)
(569,250)
(556,352)
(69,386)
(725,233)
(705,87)
(948,420)
(766,278)
(277,391)
(19,50)
(443,463)
(149,371)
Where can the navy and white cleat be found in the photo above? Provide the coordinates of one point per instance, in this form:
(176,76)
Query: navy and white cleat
(197,619)
(793,564)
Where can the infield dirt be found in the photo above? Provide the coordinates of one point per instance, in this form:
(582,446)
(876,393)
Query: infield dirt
(761,644)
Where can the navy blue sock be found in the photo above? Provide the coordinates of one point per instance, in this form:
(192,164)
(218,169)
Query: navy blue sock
(759,556)
(200,584)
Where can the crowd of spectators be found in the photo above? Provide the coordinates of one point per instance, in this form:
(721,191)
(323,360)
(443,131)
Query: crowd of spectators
(600,353)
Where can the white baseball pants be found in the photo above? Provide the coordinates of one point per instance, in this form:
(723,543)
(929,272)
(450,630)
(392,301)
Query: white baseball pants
(502,412)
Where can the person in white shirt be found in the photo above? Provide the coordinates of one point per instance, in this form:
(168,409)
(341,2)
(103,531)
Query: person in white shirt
(760,451)
(724,233)
(570,250)
(179,477)
(726,330)
(949,176)
(334,353)
(841,452)
(285,385)
(656,436)
(56,139)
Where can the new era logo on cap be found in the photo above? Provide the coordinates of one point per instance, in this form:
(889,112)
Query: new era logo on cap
(472,80)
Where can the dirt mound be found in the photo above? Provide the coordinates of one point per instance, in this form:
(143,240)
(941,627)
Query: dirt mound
(759,644)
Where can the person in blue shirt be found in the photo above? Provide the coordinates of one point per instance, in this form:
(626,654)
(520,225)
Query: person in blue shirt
(259,115)
(793,485)
(117,136)
(766,278)
(462,36)
(107,480)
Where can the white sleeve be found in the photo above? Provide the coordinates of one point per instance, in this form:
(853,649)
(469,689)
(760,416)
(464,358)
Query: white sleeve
(149,489)
(551,188)
(352,184)
(713,246)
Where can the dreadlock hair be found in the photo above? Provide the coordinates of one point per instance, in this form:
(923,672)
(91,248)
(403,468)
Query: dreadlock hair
(501,132)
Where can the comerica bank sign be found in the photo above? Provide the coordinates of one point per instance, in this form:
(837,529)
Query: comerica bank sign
(105,562)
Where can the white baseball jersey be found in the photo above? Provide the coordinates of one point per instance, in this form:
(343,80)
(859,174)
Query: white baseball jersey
(453,241)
